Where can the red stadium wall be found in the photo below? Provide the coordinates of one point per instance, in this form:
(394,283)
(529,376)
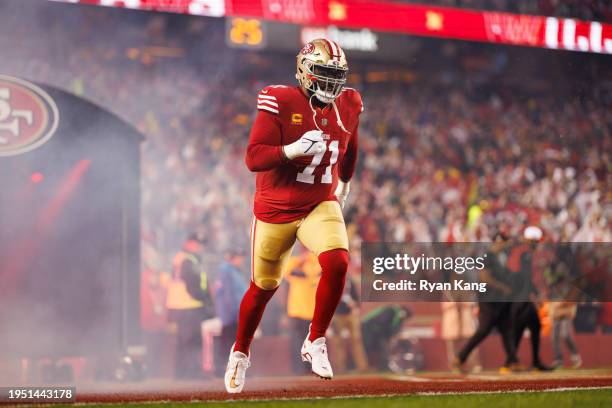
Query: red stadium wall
(273,356)
(273,353)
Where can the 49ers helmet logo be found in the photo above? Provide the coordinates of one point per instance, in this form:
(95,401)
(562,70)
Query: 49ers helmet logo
(308,48)
(28,116)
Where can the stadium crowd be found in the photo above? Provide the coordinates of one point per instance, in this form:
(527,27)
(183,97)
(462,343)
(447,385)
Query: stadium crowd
(453,155)
(434,165)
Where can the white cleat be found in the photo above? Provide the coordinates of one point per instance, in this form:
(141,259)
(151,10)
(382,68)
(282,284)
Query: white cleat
(236,370)
(315,352)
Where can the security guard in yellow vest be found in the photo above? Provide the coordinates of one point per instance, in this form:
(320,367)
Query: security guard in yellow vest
(189,303)
(302,273)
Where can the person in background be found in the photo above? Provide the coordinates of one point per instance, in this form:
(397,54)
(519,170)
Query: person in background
(562,312)
(459,325)
(302,274)
(524,315)
(493,308)
(230,286)
(346,325)
(189,303)
(378,329)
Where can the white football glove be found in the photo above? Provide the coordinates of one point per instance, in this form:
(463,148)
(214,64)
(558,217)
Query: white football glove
(342,192)
(309,144)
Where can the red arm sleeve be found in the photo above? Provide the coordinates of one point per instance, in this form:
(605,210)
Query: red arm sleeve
(264,151)
(347,166)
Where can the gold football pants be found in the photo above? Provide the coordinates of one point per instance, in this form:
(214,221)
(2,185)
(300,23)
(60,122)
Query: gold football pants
(321,230)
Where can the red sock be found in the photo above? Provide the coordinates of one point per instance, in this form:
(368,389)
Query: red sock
(334,265)
(251,310)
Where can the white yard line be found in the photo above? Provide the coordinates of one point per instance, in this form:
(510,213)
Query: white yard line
(553,389)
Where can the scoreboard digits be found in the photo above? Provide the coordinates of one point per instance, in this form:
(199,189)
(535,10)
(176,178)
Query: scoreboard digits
(245,32)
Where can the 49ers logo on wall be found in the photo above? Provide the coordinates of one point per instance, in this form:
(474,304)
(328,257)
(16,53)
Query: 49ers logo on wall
(28,116)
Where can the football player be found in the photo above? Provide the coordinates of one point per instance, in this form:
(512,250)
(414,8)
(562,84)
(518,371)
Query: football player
(303,147)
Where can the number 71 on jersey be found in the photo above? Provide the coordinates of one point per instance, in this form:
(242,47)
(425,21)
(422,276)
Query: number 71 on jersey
(307,175)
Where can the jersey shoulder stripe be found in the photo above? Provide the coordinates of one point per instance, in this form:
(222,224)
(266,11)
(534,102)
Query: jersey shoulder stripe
(266,102)
(268,99)
(267,108)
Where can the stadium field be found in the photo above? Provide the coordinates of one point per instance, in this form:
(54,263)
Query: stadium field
(562,388)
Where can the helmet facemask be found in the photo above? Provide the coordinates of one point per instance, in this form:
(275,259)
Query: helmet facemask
(324,81)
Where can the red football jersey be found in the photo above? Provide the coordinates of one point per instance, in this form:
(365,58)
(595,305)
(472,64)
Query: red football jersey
(289,190)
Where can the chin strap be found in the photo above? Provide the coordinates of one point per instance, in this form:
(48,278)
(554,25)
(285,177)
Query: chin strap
(314,115)
(314,112)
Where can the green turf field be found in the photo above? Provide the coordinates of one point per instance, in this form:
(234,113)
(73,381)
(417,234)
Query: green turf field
(560,399)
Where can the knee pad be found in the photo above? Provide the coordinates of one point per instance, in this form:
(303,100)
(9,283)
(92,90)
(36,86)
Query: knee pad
(267,283)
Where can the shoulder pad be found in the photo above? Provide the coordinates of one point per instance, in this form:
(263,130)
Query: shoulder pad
(267,100)
(270,97)
(354,98)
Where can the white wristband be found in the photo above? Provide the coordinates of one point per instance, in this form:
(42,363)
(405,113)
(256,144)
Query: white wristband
(291,151)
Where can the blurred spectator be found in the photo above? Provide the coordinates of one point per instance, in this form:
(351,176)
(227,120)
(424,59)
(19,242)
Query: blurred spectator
(493,308)
(562,311)
(303,273)
(563,314)
(230,285)
(605,319)
(458,325)
(378,329)
(524,315)
(347,331)
(189,303)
